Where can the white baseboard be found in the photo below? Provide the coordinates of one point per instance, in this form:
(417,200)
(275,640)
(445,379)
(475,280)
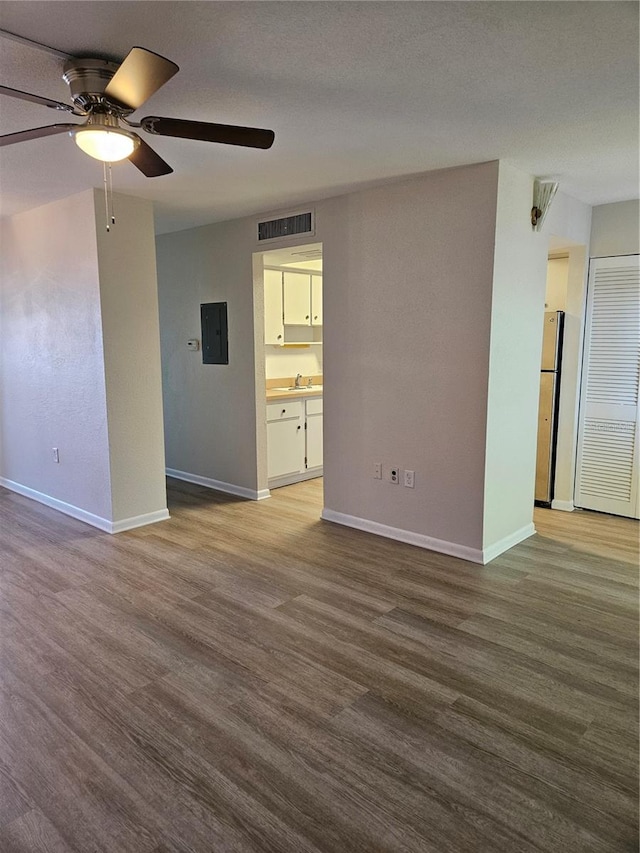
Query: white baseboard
(474,555)
(139,521)
(565,506)
(81,514)
(503,545)
(290,479)
(219,485)
(442,546)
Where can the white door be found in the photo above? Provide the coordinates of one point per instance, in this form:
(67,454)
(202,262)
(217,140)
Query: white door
(297,298)
(609,429)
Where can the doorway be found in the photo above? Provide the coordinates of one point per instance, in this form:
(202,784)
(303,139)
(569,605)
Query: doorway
(566,292)
(288,288)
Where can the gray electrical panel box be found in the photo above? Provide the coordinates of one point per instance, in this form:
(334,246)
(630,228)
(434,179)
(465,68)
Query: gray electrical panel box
(215,341)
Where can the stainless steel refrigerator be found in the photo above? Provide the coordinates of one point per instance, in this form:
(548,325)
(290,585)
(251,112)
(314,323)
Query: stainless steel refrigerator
(548,410)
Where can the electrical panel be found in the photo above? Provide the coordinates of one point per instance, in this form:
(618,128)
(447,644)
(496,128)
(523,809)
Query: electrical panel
(215,341)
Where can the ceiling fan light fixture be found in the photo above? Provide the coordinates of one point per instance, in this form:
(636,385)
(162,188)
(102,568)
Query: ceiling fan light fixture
(109,145)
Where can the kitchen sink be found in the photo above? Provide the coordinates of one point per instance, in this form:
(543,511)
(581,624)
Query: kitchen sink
(300,388)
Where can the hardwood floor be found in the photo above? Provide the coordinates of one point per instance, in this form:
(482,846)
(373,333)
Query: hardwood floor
(245,677)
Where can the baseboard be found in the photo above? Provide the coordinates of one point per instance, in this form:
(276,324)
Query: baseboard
(290,479)
(565,506)
(81,514)
(219,485)
(509,541)
(453,549)
(139,521)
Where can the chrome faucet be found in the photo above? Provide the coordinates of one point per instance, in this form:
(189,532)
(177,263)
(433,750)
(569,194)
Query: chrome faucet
(298,378)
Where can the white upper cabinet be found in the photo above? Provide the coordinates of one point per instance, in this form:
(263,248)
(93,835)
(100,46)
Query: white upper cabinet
(273,323)
(297,298)
(316,300)
(292,307)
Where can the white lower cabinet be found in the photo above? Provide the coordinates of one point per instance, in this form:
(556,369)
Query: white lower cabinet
(294,441)
(313,433)
(285,438)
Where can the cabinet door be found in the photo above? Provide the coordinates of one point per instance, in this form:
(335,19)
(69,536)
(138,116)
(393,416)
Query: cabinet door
(285,447)
(273,327)
(316,300)
(314,438)
(297,298)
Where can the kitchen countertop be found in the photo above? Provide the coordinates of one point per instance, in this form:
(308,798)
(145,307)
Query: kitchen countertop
(296,394)
(281,389)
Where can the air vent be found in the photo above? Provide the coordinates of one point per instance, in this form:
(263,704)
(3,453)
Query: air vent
(286,226)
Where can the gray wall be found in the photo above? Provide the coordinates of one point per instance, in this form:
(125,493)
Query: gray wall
(80,361)
(615,229)
(209,409)
(53,387)
(407,279)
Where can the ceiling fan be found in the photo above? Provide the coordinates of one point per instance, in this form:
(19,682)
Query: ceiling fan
(105,94)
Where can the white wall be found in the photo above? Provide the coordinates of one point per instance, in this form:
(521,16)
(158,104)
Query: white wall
(615,229)
(129,311)
(53,385)
(555,298)
(284,362)
(517,309)
(79,346)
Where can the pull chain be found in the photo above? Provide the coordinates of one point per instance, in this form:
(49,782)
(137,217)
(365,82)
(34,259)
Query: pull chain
(108,196)
(113,216)
(106,193)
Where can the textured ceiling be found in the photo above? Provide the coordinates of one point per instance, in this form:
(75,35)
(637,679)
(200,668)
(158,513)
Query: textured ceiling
(356,93)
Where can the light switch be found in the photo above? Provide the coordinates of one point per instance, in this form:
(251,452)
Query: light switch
(193,344)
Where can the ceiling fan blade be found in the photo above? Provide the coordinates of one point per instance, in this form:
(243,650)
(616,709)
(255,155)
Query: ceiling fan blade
(140,74)
(228,134)
(38,99)
(35,133)
(150,164)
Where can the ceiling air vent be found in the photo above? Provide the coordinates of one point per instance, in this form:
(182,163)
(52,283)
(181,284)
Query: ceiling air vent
(286,226)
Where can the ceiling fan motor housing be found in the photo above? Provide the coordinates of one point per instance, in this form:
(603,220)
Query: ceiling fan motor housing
(87,79)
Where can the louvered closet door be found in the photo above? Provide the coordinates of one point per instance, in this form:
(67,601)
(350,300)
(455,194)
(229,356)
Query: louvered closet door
(609,430)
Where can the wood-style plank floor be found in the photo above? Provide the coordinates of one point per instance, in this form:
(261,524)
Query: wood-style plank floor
(246,677)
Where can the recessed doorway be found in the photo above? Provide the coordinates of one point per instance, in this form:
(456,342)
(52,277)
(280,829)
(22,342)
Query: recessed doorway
(289,364)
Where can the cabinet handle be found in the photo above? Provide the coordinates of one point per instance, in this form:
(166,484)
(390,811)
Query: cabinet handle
(284,411)
(316,317)
(299,427)
(307,317)
(279,337)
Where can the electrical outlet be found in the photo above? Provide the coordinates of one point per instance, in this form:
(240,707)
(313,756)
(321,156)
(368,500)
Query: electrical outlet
(409,479)
(394,476)
(56,454)
(377,470)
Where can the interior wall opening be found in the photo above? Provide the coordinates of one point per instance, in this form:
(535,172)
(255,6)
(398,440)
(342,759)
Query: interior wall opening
(289,365)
